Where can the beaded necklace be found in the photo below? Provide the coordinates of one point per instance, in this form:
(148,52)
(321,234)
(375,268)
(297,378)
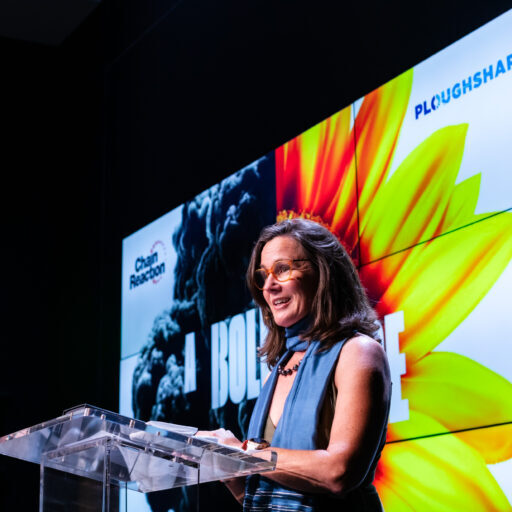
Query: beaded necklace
(289,371)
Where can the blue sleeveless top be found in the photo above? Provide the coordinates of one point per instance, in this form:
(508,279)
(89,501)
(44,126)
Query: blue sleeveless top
(298,429)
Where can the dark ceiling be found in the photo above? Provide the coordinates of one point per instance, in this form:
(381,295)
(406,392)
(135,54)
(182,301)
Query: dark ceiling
(47,22)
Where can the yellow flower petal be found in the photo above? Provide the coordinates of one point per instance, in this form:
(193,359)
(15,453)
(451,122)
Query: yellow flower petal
(442,281)
(412,206)
(417,425)
(494,443)
(464,198)
(459,393)
(377,127)
(440,473)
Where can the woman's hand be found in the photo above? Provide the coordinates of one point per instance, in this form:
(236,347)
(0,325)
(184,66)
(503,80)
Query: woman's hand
(235,485)
(224,437)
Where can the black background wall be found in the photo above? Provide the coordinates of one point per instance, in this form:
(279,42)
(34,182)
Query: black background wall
(147,104)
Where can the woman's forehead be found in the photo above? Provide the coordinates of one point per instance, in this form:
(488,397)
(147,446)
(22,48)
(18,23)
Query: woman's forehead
(281,248)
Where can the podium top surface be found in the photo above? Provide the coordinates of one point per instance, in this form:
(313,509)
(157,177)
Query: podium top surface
(144,457)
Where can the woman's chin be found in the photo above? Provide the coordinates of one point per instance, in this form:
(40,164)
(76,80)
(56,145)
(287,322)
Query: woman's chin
(282,321)
(287,320)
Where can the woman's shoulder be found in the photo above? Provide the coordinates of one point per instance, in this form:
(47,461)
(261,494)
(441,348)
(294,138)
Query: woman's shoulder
(363,350)
(362,359)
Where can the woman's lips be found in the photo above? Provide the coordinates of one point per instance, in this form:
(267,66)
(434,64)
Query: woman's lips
(280,302)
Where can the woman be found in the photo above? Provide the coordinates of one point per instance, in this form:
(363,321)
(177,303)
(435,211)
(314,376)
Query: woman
(325,405)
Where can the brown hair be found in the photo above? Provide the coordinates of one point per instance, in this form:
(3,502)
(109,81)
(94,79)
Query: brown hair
(340,306)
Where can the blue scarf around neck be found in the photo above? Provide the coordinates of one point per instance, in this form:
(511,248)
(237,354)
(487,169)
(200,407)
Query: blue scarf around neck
(298,426)
(292,333)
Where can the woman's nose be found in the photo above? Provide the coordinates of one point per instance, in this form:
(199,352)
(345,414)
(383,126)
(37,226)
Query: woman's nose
(270,282)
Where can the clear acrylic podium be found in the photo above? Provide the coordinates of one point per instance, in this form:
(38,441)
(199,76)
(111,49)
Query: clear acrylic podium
(90,456)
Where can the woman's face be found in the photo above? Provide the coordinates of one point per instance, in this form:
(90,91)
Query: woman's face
(289,301)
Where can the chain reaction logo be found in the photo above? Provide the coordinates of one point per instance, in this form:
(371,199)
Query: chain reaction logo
(473,81)
(149,268)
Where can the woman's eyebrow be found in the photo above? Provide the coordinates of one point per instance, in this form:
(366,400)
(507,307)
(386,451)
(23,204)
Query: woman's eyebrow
(274,262)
